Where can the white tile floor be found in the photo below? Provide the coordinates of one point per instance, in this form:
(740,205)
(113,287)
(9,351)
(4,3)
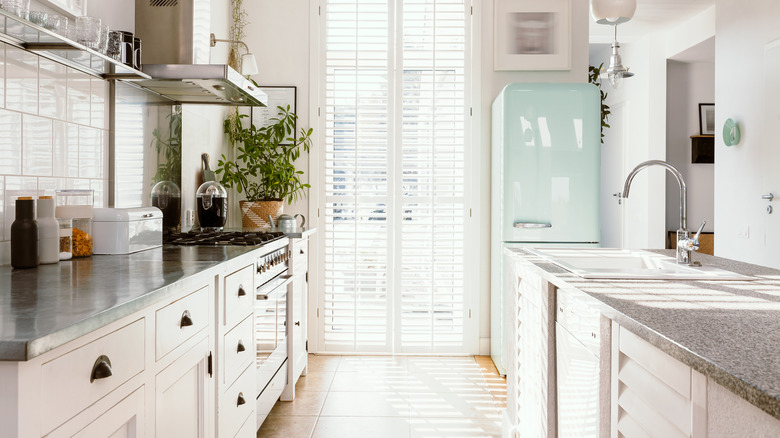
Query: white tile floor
(393,397)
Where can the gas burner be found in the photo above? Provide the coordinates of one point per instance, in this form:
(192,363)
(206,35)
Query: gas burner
(221,238)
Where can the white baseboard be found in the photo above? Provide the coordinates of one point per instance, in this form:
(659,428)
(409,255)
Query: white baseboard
(484,346)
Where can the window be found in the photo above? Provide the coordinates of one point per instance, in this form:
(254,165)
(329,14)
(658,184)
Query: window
(395,97)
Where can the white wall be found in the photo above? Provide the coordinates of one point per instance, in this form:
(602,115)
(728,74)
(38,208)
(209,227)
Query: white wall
(688,84)
(744,172)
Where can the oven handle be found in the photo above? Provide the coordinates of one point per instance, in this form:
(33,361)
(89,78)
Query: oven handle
(262,291)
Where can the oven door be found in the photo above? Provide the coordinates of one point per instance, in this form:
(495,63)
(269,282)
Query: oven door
(271,328)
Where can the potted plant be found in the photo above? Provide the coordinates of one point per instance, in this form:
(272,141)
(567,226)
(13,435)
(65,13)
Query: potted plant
(264,169)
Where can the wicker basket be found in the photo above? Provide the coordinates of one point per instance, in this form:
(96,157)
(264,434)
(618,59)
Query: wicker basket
(254,214)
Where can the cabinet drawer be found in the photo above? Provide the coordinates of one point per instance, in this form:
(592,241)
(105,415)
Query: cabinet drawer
(66,388)
(238,349)
(580,315)
(181,320)
(238,294)
(126,418)
(238,403)
(301,256)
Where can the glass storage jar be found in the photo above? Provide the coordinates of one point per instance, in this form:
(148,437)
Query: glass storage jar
(77,205)
(211,202)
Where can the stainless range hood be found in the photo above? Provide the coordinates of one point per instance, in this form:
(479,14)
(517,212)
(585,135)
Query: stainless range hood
(176,36)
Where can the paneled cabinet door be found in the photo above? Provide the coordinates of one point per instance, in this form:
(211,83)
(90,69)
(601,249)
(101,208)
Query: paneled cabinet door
(183,396)
(299,323)
(123,420)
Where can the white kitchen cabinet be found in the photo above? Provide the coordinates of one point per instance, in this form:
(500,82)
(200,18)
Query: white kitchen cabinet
(183,396)
(729,415)
(654,394)
(298,290)
(530,354)
(122,420)
(237,349)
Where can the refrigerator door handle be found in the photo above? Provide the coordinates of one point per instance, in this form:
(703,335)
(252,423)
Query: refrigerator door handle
(532,225)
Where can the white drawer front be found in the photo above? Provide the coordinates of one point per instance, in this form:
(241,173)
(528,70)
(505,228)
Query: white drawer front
(238,294)
(181,320)
(301,256)
(238,349)
(237,404)
(65,381)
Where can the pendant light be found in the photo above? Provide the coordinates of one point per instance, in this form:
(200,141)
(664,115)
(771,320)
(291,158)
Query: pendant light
(615,71)
(612,11)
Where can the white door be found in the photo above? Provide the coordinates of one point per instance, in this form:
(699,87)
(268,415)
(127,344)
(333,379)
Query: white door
(770,176)
(613,175)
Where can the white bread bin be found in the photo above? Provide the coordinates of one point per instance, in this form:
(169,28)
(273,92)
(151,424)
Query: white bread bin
(126,230)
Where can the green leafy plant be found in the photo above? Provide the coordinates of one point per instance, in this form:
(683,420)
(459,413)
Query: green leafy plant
(168,148)
(264,167)
(594,77)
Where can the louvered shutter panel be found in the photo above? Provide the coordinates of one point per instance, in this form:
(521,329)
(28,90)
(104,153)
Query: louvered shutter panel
(432,162)
(394,177)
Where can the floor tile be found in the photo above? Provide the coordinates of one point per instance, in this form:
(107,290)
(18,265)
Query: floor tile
(375,364)
(448,404)
(448,380)
(454,427)
(305,403)
(282,426)
(369,381)
(323,363)
(350,427)
(315,381)
(366,404)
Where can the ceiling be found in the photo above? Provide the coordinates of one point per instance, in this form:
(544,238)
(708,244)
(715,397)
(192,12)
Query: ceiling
(650,16)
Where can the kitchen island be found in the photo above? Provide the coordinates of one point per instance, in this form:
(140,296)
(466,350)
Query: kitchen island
(726,332)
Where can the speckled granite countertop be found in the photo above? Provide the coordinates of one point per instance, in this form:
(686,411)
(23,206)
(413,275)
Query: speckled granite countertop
(45,307)
(727,330)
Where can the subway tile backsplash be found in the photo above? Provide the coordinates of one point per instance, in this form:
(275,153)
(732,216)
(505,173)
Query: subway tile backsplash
(53,132)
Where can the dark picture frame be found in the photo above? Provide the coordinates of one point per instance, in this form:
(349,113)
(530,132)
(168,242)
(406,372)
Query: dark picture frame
(707,119)
(277,96)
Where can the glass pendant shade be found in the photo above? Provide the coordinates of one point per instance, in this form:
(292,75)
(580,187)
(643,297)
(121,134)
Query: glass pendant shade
(612,11)
(249,65)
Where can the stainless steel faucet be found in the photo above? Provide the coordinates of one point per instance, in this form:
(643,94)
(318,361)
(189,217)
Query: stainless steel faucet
(686,244)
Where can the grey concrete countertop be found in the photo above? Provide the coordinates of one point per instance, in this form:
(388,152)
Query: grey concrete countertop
(727,330)
(45,307)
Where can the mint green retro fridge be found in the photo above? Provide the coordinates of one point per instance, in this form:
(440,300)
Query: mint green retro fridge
(546,159)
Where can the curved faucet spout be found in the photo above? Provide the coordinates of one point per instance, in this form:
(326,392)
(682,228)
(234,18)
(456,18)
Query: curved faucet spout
(680,181)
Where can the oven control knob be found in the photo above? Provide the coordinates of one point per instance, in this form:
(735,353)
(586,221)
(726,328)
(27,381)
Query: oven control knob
(268,265)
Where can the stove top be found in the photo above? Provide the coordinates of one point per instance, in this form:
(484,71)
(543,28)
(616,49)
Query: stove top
(222,238)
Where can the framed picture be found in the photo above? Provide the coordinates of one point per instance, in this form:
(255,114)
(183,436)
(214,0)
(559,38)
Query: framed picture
(74,8)
(531,34)
(707,118)
(277,96)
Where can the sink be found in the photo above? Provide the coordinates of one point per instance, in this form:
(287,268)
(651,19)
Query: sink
(629,264)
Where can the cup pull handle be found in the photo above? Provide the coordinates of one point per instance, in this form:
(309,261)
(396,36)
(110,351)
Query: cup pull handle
(241,291)
(241,399)
(186,319)
(240,347)
(101,369)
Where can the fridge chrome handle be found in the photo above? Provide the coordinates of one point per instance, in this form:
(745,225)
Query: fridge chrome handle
(532,225)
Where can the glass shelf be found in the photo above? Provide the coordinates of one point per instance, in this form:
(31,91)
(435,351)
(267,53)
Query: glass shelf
(34,38)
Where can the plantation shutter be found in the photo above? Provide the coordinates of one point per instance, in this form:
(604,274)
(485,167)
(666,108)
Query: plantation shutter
(395,112)
(432,180)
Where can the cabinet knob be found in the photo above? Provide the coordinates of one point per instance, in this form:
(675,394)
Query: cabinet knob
(240,347)
(302,251)
(298,323)
(186,319)
(241,399)
(101,369)
(241,291)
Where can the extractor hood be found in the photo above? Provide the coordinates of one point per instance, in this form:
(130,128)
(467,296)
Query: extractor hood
(176,39)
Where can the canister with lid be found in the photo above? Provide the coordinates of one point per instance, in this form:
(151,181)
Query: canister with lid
(211,202)
(77,205)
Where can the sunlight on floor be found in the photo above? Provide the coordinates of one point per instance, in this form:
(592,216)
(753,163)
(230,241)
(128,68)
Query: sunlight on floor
(394,397)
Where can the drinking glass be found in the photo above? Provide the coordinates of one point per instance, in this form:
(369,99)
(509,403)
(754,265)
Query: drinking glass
(57,24)
(114,45)
(39,17)
(20,8)
(88,32)
(103,44)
